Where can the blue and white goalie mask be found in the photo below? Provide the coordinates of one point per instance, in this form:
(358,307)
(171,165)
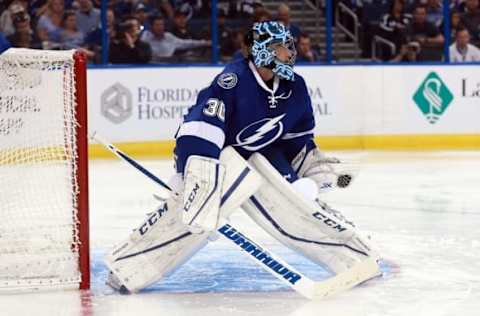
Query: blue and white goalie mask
(268,39)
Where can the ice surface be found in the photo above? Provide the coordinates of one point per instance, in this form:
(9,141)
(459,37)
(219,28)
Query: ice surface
(422,209)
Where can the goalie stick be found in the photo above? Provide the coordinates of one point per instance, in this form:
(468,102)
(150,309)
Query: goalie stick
(265,258)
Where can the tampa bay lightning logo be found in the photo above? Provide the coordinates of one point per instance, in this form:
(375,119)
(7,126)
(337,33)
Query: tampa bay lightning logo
(227,80)
(260,133)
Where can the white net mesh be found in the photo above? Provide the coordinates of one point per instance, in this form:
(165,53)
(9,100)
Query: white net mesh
(38,185)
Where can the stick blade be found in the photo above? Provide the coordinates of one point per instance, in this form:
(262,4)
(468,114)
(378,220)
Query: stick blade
(359,273)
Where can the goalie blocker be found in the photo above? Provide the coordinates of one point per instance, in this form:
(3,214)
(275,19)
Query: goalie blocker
(164,241)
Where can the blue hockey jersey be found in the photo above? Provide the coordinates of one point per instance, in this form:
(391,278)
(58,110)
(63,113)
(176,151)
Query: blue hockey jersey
(239,109)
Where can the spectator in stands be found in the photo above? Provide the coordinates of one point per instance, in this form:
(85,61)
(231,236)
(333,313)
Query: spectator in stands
(71,37)
(393,25)
(166,8)
(408,53)
(283,15)
(93,41)
(180,27)
(49,23)
(127,47)
(370,14)
(225,34)
(471,18)
(240,48)
(141,12)
(36,8)
(188,7)
(305,53)
(434,12)
(98,3)
(87,16)
(455,18)
(247,8)
(123,8)
(454,24)
(95,35)
(22,40)
(6,18)
(422,31)
(4,43)
(462,50)
(164,44)
(261,15)
(6,25)
(23,35)
(369,11)
(70,4)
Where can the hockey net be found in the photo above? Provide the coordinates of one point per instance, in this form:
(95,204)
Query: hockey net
(43,171)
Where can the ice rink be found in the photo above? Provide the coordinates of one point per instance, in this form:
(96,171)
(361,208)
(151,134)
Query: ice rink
(422,209)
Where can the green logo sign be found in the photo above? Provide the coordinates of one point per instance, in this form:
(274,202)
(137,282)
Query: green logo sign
(433,97)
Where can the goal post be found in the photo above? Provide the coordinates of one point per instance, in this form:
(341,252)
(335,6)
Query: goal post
(44,222)
(80,75)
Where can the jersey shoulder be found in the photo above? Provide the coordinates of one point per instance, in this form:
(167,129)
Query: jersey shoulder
(232,75)
(300,87)
(299,80)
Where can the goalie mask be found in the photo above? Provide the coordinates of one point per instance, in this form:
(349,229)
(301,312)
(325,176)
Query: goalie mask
(266,38)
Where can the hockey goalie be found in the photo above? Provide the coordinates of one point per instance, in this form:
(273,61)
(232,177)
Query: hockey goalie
(247,144)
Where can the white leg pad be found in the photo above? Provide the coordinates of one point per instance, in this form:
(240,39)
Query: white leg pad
(308,227)
(203,189)
(155,249)
(163,242)
(241,181)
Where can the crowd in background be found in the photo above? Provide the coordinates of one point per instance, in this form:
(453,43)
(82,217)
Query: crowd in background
(165,31)
(416,28)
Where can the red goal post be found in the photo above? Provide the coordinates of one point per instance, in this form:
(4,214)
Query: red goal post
(80,67)
(44,221)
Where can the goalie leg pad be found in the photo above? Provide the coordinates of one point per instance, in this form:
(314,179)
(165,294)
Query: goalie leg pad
(308,227)
(155,249)
(203,184)
(163,242)
(241,181)
(215,189)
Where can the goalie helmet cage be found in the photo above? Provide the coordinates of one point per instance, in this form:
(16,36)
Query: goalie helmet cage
(44,227)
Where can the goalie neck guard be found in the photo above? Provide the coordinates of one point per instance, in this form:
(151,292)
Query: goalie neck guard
(265,36)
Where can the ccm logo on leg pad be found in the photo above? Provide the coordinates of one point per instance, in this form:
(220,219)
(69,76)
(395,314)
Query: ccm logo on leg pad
(152,219)
(329,222)
(191,197)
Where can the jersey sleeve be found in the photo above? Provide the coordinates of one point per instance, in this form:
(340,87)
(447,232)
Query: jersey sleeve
(203,129)
(302,133)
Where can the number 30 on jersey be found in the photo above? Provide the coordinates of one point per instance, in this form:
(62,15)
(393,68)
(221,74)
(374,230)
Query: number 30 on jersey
(215,107)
